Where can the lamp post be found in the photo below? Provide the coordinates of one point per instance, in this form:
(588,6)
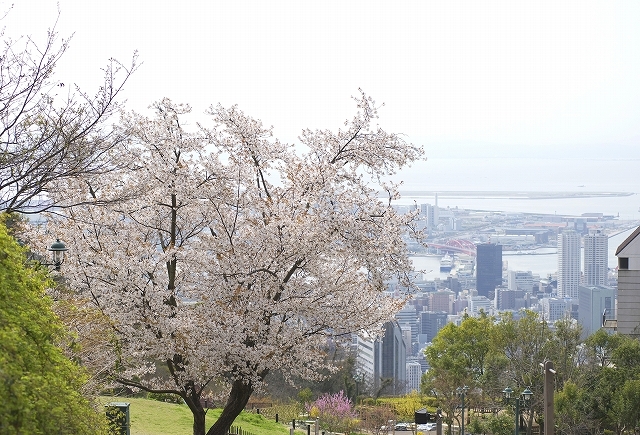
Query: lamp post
(524,401)
(462,392)
(57,249)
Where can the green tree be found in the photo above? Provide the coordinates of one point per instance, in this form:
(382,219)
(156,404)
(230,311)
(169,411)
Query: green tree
(521,344)
(599,347)
(626,405)
(501,424)
(407,405)
(457,357)
(40,388)
(566,340)
(570,411)
(625,401)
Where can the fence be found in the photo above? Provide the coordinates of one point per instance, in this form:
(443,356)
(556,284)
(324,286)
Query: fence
(284,413)
(235,430)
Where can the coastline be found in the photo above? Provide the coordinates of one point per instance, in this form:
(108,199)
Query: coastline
(512,194)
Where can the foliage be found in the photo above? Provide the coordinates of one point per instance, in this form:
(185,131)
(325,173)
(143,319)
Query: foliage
(40,388)
(406,406)
(458,356)
(596,382)
(600,346)
(228,236)
(305,395)
(334,412)
(568,404)
(48,130)
(490,354)
(501,424)
(477,425)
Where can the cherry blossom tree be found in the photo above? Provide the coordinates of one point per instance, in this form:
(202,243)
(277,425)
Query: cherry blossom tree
(223,254)
(50,129)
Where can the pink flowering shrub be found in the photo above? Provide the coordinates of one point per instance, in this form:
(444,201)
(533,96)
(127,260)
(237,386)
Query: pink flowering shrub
(334,412)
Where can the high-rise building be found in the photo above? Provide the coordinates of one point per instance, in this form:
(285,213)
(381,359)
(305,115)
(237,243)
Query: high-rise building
(392,357)
(430,214)
(510,299)
(383,358)
(414,376)
(365,348)
(596,258)
(430,323)
(628,254)
(407,317)
(568,264)
(488,268)
(478,304)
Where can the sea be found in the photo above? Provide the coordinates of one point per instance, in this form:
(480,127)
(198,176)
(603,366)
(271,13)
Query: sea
(570,187)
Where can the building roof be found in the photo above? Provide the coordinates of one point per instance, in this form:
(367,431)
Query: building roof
(628,240)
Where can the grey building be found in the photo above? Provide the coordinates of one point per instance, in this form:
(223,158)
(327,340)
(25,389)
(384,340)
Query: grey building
(383,358)
(507,299)
(391,354)
(595,303)
(430,322)
(628,312)
(488,268)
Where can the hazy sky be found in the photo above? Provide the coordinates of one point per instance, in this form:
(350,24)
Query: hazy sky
(473,78)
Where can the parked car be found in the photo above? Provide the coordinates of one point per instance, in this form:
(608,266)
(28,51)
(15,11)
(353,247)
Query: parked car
(426,427)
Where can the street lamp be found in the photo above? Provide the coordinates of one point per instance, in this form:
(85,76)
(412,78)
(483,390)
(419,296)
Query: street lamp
(57,249)
(524,401)
(462,392)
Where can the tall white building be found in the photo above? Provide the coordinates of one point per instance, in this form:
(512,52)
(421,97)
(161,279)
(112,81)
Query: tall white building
(430,213)
(366,358)
(568,264)
(596,258)
(414,376)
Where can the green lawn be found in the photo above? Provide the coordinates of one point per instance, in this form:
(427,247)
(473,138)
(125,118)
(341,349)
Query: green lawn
(151,417)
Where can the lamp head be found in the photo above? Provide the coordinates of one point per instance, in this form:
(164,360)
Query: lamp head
(507,393)
(527,394)
(58,249)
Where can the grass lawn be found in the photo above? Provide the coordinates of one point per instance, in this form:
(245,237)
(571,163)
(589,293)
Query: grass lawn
(151,417)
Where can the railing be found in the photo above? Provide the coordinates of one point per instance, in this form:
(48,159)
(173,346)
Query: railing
(235,430)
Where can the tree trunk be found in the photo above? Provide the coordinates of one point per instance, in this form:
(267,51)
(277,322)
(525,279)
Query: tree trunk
(238,398)
(197,410)
(191,398)
(198,422)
